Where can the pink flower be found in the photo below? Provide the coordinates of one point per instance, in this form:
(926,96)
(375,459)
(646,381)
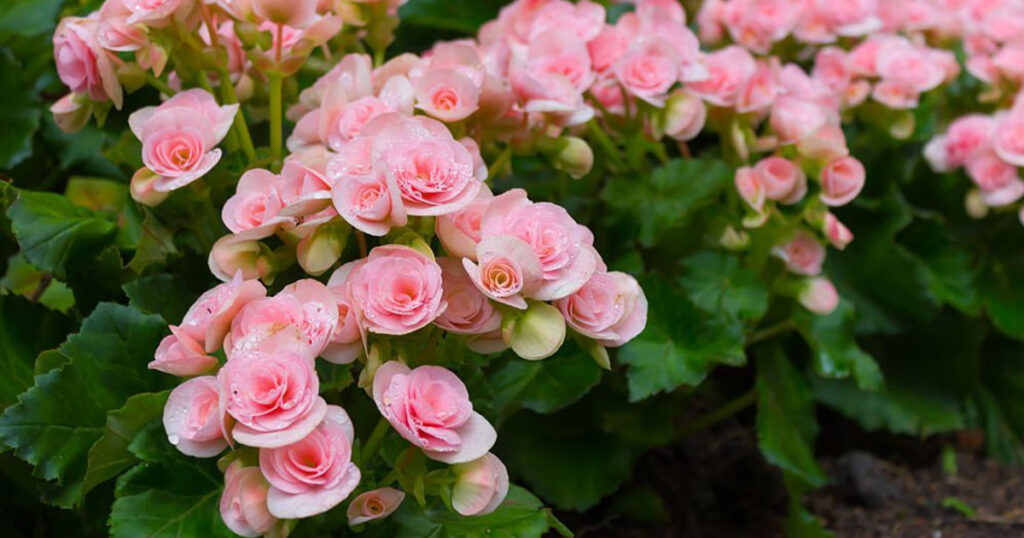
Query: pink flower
(565,248)
(850,17)
(826,143)
(303,189)
(209,318)
(179,137)
(294,13)
(346,342)
(343,124)
(1008,141)
(300,319)
(373,505)
(397,290)
(256,205)
(459,232)
(836,233)
(759,91)
(480,485)
(180,355)
(155,13)
(819,296)
(649,69)
(70,113)
(508,270)
(193,418)
(793,118)
(313,474)
(610,308)
(469,311)
(683,116)
(447,95)
(82,64)
(999,182)
(241,253)
(429,406)
(841,181)
(802,255)
(908,65)
(728,69)
(783,179)
(757,24)
(272,396)
(371,203)
(606,49)
(243,505)
(895,95)
(582,20)
(751,186)
(435,174)
(831,68)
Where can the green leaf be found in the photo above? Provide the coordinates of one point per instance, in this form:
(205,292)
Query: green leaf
(681,343)
(548,385)
(56,422)
(110,455)
(563,458)
(669,196)
(786,426)
(28,17)
(55,235)
(893,408)
(1002,290)
(464,16)
(152,241)
(164,294)
(835,350)
(715,282)
(947,267)
(169,496)
(26,329)
(521,515)
(23,279)
(20,114)
(799,522)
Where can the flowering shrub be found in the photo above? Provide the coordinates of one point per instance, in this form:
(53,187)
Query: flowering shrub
(313,279)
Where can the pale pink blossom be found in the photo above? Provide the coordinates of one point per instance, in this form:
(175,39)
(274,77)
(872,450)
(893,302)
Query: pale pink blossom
(802,255)
(998,180)
(300,319)
(1008,139)
(836,232)
(793,118)
(783,180)
(728,69)
(469,311)
(304,189)
(313,474)
(480,485)
(447,95)
(371,203)
(347,341)
(157,13)
(256,205)
(373,505)
(610,308)
(193,418)
(459,232)
(208,320)
(967,137)
(396,290)
(243,505)
(819,296)
(429,407)
(82,64)
(750,185)
(841,181)
(181,355)
(649,69)
(507,270)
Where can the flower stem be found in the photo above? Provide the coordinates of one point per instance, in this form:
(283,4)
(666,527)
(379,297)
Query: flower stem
(228,96)
(369,450)
(731,407)
(781,327)
(606,144)
(160,85)
(276,115)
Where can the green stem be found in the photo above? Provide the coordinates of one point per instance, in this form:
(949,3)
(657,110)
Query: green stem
(231,142)
(160,85)
(606,143)
(731,407)
(781,327)
(276,115)
(369,450)
(227,90)
(499,164)
(389,478)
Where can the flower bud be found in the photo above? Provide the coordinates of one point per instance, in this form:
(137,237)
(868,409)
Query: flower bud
(734,240)
(71,112)
(841,181)
(245,87)
(294,13)
(141,188)
(131,76)
(682,118)
(836,232)
(318,251)
(819,296)
(826,143)
(750,185)
(535,334)
(570,154)
(243,505)
(480,485)
(975,204)
(374,504)
(238,252)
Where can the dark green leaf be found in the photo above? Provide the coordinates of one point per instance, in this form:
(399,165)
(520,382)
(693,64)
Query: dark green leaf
(25,280)
(1002,290)
(521,516)
(836,353)
(894,408)
(715,282)
(28,17)
(20,114)
(459,15)
(786,426)
(163,294)
(26,329)
(56,422)
(680,345)
(548,385)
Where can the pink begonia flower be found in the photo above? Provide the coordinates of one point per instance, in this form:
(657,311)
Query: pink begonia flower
(294,13)
(606,49)
(304,189)
(459,232)
(783,180)
(354,159)
(751,187)
(193,418)
(373,505)
(340,123)
(841,181)
(728,70)
(208,320)
(114,32)
(850,17)
(82,64)
(565,248)
(179,136)
(826,143)
(447,95)
(836,232)
(913,66)
(347,341)
(557,53)
(273,397)
(435,174)
(683,117)
(157,13)
(507,270)
(832,68)
(967,137)
(583,20)
(819,296)
(895,95)
(1008,61)
(429,407)
(610,308)
(648,70)
(256,205)
(756,24)
(553,95)
(469,311)
(70,113)
(802,255)
(313,474)
(480,485)
(243,505)
(759,91)
(300,319)
(1008,138)
(396,290)
(181,355)
(371,203)
(793,118)
(998,180)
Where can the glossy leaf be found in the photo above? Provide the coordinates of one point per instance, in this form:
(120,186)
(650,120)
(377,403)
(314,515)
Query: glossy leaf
(26,329)
(715,282)
(521,515)
(548,385)
(835,350)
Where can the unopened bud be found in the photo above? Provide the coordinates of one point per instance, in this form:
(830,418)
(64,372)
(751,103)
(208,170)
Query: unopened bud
(535,334)
(819,296)
(975,204)
(141,188)
(71,112)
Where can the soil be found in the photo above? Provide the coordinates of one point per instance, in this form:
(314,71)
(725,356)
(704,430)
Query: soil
(717,485)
